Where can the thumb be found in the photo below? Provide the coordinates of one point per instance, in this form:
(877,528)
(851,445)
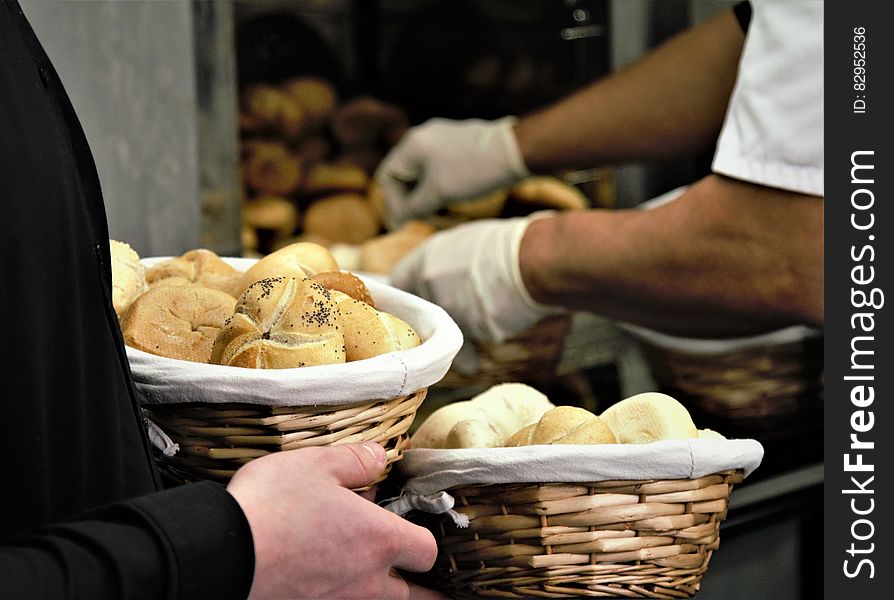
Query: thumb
(356,465)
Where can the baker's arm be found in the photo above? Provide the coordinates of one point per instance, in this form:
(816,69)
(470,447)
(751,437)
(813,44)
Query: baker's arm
(192,541)
(725,258)
(669,103)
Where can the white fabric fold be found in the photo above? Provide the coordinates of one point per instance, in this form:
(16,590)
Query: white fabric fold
(430,471)
(164,380)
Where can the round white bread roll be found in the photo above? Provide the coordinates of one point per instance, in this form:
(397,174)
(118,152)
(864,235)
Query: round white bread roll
(281,323)
(504,409)
(177,321)
(201,266)
(649,417)
(128,275)
(298,260)
(369,332)
(565,425)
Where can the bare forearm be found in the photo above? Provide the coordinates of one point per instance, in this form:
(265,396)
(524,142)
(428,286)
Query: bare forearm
(726,258)
(671,102)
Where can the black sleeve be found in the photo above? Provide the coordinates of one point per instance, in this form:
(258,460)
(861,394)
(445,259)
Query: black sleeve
(189,542)
(742,10)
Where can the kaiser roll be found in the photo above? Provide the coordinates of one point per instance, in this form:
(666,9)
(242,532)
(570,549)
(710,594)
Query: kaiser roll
(299,260)
(177,321)
(200,266)
(369,332)
(280,323)
(346,283)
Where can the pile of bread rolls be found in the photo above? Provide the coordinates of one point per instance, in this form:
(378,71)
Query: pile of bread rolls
(308,159)
(293,308)
(515,414)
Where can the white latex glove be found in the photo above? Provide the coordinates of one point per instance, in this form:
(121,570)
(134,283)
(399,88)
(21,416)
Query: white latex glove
(472,272)
(443,161)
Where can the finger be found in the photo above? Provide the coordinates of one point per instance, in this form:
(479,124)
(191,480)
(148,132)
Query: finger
(418,549)
(355,465)
(424,199)
(402,164)
(395,587)
(369,494)
(394,195)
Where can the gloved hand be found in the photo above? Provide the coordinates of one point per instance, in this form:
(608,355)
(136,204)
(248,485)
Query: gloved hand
(472,272)
(443,161)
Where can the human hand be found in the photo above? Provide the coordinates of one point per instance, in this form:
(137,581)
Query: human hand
(315,538)
(472,272)
(443,161)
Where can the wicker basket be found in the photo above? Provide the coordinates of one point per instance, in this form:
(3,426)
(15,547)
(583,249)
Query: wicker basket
(208,420)
(531,357)
(631,539)
(778,375)
(214,440)
(570,521)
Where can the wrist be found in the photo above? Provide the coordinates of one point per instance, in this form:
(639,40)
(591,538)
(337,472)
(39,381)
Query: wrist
(514,160)
(536,259)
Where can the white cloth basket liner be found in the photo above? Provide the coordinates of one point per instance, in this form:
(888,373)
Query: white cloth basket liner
(429,471)
(161,380)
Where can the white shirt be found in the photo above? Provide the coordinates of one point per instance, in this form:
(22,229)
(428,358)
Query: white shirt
(773,132)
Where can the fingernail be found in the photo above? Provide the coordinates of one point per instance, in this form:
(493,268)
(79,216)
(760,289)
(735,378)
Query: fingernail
(377,451)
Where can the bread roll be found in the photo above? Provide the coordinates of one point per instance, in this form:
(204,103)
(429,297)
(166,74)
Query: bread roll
(369,332)
(483,207)
(177,321)
(346,283)
(299,260)
(271,213)
(128,275)
(269,168)
(201,266)
(281,323)
(315,95)
(348,256)
(345,218)
(381,253)
(549,192)
(273,109)
(565,425)
(327,178)
(504,409)
(649,417)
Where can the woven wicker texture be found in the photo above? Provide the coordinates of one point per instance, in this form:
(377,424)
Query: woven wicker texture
(629,539)
(216,439)
(530,357)
(764,381)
